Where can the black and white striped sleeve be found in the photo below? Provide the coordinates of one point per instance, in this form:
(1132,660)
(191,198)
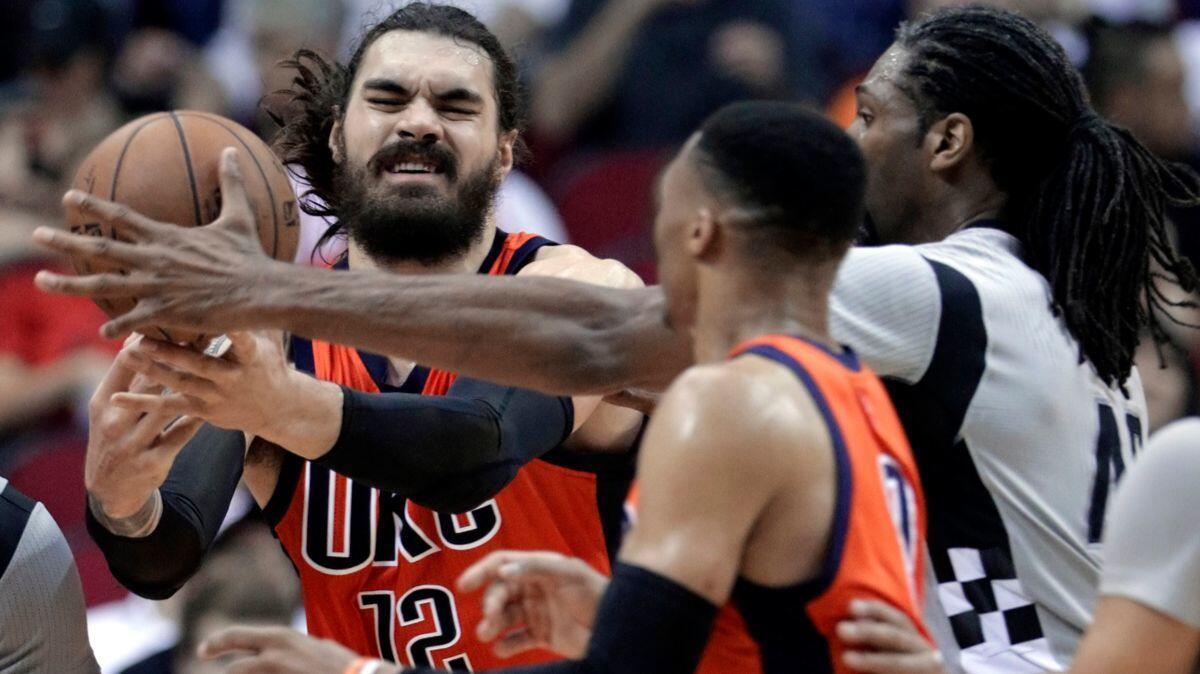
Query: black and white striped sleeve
(886,305)
(43,623)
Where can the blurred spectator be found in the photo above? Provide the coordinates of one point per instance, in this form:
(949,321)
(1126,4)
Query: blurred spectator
(644,73)
(244,55)
(1136,78)
(851,34)
(158,70)
(1136,75)
(194,20)
(519,24)
(65,109)
(246,578)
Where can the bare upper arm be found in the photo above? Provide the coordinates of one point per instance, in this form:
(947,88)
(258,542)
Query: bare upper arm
(1127,636)
(264,461)
(715,456)
(611,425)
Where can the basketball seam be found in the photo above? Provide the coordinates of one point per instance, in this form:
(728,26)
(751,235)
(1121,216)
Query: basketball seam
(112,192)
(261,172)
(187,161)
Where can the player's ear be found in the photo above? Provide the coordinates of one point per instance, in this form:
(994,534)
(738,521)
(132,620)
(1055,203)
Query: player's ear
(702,233)
(949,141)
(335,136)
(508,144)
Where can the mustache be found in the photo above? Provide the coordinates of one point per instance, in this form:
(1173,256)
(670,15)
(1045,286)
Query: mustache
(411,150)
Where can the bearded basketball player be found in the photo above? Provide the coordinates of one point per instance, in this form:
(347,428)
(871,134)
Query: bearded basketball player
(1027,235)
(775,481)
(383,479)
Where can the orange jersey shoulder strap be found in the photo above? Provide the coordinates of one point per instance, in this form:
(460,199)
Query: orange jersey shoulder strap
(509,254)
(344,365)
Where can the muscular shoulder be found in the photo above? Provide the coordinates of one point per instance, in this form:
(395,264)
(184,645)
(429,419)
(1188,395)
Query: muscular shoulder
(747,408)
(575,263)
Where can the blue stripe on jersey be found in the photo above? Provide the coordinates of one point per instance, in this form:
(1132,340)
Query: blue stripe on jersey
(15,509)
(845,483)
(525,254)
(777,617)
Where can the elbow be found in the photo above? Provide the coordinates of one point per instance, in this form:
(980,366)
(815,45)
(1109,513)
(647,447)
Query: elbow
(463,493)
(153,591)
(160,582)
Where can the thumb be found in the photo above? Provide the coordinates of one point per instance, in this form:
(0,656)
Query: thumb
(236,213)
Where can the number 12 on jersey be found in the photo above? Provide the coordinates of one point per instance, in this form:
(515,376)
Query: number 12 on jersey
(430,604)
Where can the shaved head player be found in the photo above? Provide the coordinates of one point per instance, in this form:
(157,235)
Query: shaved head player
(1005,318)
(775,481)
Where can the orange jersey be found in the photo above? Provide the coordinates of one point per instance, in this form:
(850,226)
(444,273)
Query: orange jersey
(378,571)
(877,537)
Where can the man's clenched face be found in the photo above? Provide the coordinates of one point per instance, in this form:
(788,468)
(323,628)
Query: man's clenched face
(419,151)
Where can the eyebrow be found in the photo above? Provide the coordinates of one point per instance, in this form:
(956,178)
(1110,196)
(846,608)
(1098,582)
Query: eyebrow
(460,94)
(386,85)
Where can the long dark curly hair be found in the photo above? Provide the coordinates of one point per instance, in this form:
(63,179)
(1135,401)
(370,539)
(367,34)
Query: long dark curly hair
(320,91)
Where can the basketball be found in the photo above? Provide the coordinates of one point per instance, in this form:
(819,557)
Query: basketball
(165,166)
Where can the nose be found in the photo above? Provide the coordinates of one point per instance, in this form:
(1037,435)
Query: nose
(419,121)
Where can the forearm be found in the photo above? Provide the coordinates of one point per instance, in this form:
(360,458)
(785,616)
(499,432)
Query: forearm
(451,452)
(194,500)
(553,335)
(645,623)
(582,78)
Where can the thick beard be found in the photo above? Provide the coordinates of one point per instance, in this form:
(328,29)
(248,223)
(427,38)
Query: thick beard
(413,223)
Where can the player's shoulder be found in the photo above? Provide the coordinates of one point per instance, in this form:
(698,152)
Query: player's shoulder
(575,263)
(743,399)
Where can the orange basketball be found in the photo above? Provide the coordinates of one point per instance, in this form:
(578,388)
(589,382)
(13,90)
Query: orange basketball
(165,166)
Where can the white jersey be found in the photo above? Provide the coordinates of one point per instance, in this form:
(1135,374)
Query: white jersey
(1019,444)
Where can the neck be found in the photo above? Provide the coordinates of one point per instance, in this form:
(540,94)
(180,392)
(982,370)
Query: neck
(955,205)
(737,305)
(466,263)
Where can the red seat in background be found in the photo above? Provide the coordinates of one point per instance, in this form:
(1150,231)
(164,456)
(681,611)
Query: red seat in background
(606,201)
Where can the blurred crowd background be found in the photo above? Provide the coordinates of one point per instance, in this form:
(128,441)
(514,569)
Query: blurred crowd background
(613,86)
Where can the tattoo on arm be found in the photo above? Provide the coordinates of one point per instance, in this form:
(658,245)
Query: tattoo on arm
(138,525)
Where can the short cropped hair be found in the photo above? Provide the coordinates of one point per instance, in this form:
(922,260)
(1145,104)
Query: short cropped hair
(799,176)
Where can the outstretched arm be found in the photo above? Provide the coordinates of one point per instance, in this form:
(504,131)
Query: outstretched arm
(448,452)
(553,335)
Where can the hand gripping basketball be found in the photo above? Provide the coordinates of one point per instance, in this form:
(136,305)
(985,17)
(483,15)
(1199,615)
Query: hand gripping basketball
(181,277)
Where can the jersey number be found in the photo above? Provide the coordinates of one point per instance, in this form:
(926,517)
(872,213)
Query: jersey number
(430,604)
(1110,464)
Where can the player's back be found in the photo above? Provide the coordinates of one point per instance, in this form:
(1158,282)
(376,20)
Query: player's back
(873,545)
(1019,443)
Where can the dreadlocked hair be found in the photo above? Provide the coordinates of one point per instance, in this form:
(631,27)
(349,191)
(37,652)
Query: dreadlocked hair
(1085,198)
(321,88)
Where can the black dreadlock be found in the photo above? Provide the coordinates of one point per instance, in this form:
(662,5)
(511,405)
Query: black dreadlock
(1085,198)
(320,92)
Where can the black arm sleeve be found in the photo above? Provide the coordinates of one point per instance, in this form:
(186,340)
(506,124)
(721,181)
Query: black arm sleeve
(645,623)
(196,496)
(448,453)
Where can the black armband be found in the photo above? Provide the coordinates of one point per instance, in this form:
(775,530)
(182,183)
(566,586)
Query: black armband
(195,497)
(448,453)
(645,623)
